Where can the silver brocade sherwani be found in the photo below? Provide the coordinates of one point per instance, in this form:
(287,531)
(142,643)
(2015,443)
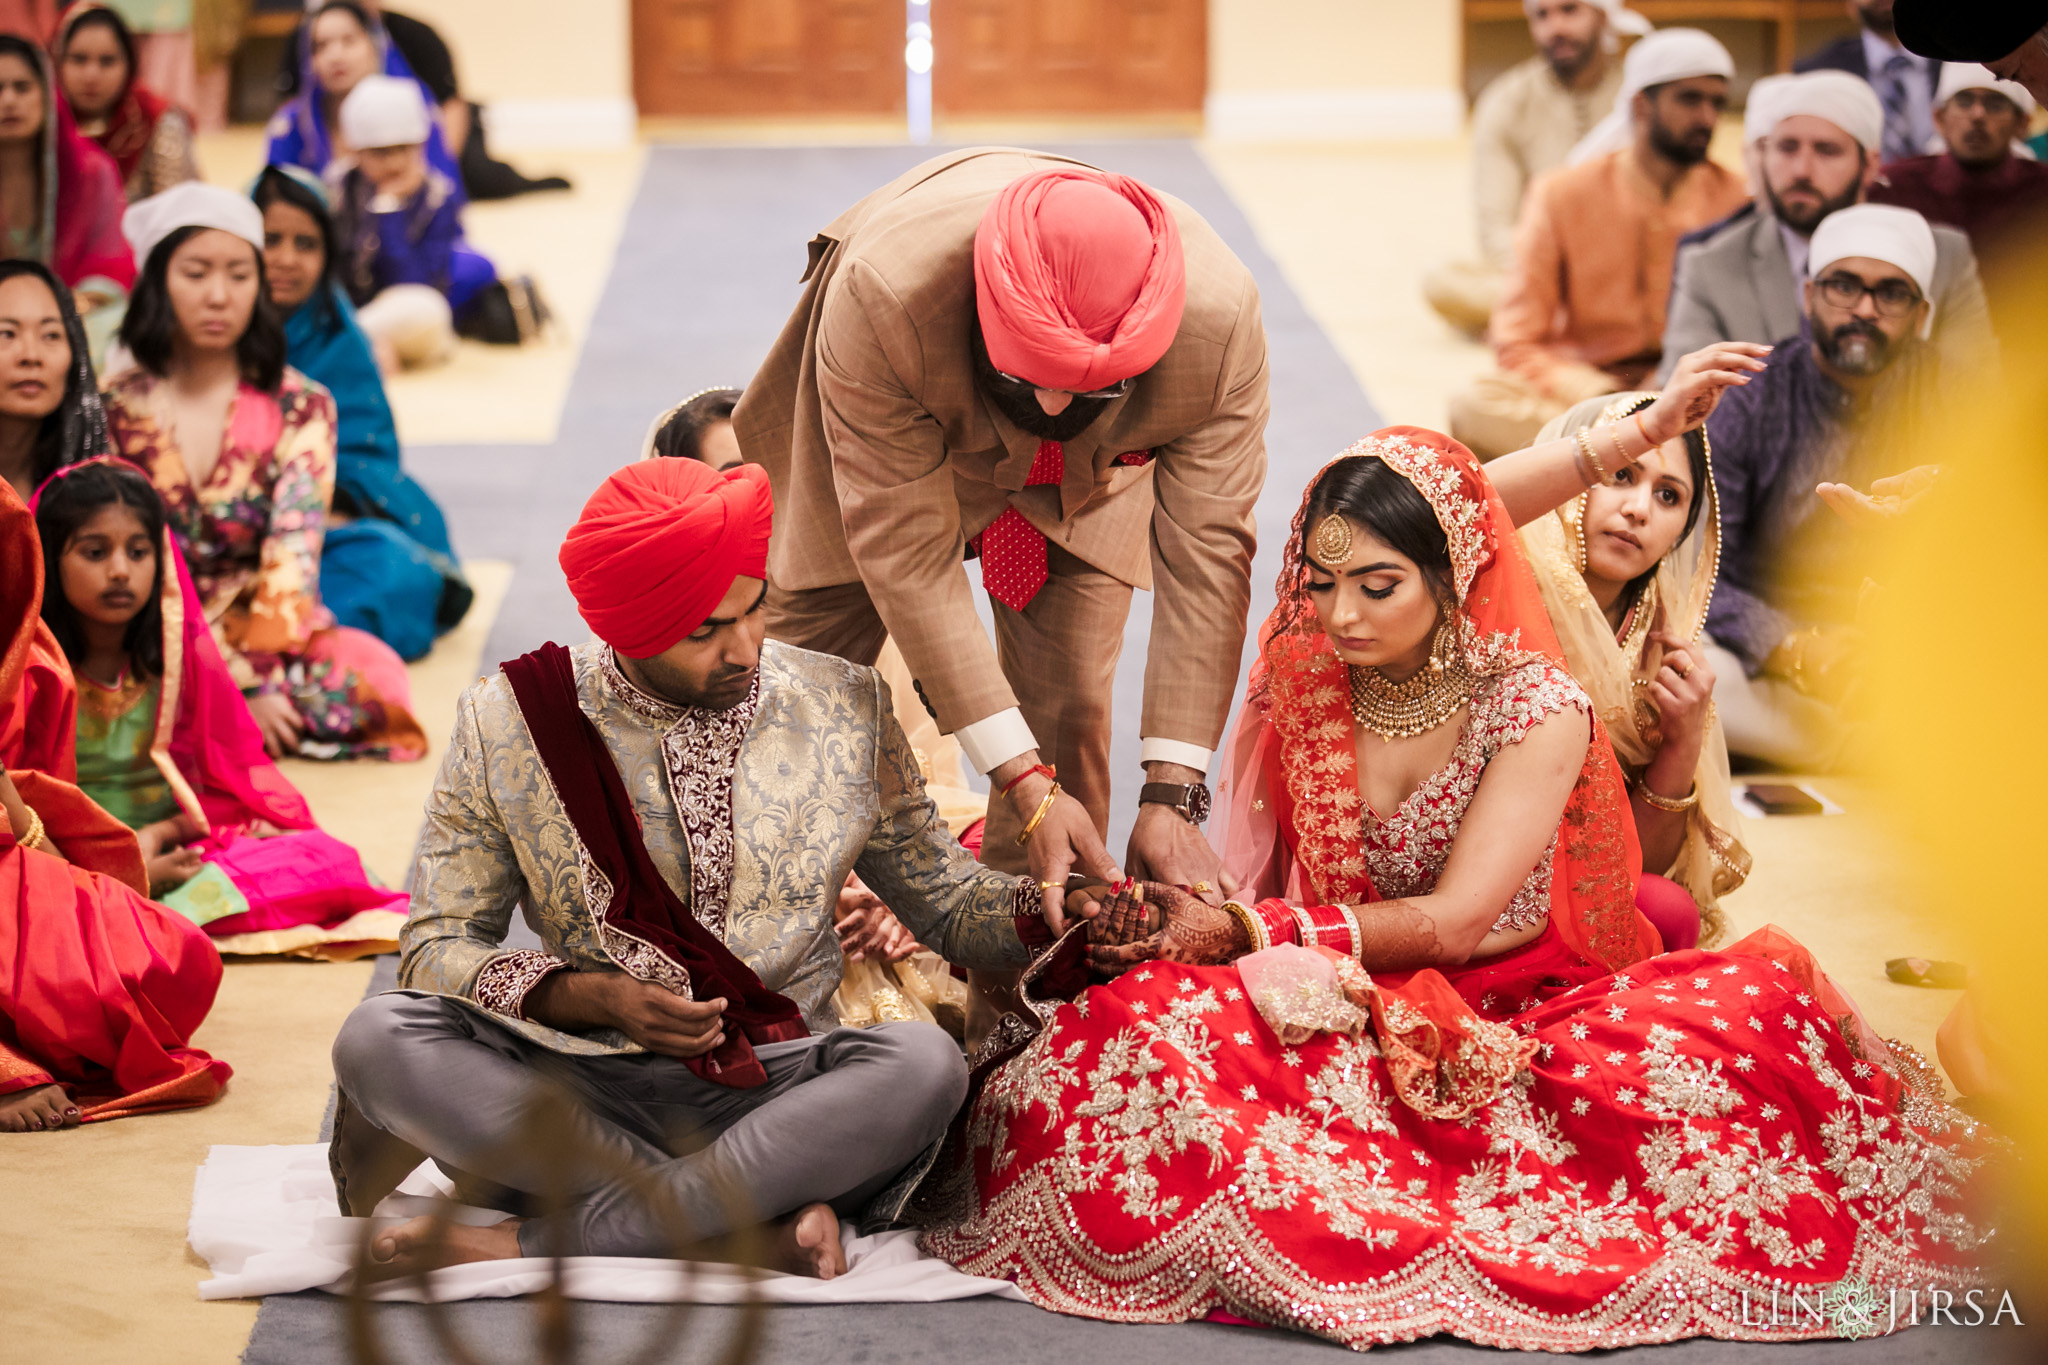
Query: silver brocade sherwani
(754,816)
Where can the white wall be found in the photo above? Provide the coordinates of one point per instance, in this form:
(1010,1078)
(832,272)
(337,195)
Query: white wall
(550,73)
(1334,70)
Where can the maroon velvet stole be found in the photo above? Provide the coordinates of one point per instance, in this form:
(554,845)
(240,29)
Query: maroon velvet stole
(587,781)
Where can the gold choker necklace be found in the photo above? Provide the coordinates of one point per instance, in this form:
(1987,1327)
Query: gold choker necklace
(1403,710)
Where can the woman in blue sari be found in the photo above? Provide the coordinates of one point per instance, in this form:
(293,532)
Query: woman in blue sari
(341,44)
(387,566)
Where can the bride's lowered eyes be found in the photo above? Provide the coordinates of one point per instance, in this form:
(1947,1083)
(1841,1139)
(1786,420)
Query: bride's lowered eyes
(1323,585)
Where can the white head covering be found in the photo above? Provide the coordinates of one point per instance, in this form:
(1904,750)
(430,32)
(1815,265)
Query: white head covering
(385,111)
(1881,232)
(191,204)
(1960,76)
(1844,100)
(1669,54)
(1619,19)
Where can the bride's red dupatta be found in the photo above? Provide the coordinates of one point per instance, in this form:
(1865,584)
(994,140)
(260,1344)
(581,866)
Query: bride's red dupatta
(644,906)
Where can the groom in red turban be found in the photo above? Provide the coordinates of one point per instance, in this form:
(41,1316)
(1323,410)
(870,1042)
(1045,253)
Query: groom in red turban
(1014,357)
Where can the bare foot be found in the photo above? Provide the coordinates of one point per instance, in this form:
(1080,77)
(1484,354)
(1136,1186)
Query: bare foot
(422,1244)
(808,1244)
(39,1109)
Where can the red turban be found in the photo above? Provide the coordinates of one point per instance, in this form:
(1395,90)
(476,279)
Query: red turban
(1079,278)
(660,544)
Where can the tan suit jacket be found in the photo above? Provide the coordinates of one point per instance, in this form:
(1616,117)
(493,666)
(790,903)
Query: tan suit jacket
(885,459)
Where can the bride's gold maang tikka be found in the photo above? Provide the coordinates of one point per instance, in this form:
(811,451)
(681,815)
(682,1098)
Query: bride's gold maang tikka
(1332,541)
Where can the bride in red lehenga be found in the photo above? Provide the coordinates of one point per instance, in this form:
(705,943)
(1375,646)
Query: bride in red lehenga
(1475,1102)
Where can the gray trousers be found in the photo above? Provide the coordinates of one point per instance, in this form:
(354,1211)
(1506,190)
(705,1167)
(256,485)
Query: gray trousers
(840,1115)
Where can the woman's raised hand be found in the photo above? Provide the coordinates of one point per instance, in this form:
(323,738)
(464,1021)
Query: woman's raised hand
(1697,384)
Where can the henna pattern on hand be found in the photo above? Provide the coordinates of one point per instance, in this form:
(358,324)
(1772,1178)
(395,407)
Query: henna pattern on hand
(1395,936)
(1169,925)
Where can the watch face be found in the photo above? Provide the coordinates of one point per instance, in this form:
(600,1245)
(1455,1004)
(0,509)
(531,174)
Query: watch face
(1198,803)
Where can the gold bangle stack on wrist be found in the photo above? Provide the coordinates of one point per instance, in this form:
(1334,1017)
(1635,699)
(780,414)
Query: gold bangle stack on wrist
(1676,805)
(1038,816)
(33,836)
(1254,932)
(1592,460)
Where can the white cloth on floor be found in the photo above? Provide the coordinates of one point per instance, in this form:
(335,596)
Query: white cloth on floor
(264,1219)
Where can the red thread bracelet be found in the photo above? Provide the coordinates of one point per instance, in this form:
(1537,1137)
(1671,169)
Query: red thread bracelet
(1045,768)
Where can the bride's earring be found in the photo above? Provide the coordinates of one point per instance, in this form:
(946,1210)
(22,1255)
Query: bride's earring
(1444,647)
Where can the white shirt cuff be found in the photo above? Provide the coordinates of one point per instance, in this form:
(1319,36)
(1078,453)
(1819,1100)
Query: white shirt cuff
(991,742)
(1174,751)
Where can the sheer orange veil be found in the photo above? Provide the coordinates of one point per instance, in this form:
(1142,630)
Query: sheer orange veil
(1288,789)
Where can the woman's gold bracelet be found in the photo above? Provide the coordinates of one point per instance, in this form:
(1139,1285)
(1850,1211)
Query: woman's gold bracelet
(1676,805)
(32,837)
(1592,460)
(1254,932)
(1038,816)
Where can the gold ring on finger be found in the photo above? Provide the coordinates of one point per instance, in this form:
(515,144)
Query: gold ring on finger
(1203,888)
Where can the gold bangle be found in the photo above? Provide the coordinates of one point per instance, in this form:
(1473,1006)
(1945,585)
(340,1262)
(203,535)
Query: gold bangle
(1037,816)
(1592,460)
(1620,450)
(1676,805)
(32,837)
(1254,933)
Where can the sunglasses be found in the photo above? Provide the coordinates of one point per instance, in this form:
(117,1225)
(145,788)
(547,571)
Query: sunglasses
(1025,386)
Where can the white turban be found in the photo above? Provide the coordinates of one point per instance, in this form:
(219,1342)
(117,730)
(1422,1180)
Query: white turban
(191,204)
(1620,19)
(1959,76)
(385,111)
(1669,54)
(1880,232)
(1837,97)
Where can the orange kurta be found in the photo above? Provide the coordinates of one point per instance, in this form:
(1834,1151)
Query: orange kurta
(1592,267)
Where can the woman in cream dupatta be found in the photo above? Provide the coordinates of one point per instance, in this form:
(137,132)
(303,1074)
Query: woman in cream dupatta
(1617,667)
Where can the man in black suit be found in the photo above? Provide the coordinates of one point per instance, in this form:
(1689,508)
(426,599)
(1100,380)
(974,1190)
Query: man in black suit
(1903,80)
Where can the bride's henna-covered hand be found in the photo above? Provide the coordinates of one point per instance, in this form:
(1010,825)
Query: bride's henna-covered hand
(1397,935)
(1193,933)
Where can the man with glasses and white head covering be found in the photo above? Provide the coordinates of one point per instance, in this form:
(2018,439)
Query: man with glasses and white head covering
(1981,183)
(1019,357)
(1815,143)
(1783,639)
(1524,123)
(1584,310)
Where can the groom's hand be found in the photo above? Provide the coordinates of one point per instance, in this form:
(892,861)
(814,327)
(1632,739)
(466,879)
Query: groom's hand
(653,1016)
(1165,847)
(1065,840)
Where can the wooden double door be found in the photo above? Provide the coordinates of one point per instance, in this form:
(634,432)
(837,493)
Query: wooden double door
(781,58)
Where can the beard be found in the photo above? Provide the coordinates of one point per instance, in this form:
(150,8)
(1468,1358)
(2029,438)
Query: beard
(1856,347)
(1805,221)
(1689,149)
(1020,404)
(724,689)
(1567,58)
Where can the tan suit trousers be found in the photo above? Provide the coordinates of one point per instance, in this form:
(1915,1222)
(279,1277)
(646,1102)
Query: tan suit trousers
(1059,655)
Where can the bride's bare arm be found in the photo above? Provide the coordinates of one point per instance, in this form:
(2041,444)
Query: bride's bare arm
(1518,805)
(1539,478)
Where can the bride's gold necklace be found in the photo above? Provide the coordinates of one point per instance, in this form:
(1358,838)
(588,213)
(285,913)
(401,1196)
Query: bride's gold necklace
(1403,710)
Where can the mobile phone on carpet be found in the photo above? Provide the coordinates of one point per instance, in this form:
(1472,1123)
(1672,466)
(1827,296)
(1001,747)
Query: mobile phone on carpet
(1783,798)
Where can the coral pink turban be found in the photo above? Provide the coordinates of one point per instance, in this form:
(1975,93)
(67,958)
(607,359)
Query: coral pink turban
(660,544)
(1079,278)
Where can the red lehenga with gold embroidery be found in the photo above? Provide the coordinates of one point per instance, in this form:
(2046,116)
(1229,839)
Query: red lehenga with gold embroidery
(1568,1146)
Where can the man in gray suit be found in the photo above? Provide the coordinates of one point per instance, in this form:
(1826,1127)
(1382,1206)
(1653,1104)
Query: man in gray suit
(1814,149)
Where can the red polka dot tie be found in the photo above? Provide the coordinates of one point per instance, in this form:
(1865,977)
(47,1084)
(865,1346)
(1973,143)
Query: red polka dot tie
(1012,549)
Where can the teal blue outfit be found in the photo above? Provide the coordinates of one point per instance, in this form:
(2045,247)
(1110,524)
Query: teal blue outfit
(389,570)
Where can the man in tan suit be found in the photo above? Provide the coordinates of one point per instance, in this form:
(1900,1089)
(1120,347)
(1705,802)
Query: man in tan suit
(1010,354)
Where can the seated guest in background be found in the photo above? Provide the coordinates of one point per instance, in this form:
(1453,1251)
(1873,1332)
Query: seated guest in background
(1783,617)
(1904,81)
(60,196)
(149,138)
(49,401)
(398,224)
(1981,184)
(242,448)
(1627,569)
(421,53)
(1524,123)
(698,428)
(1584,310)
(1816,148)
(387,565)
(338,46)
(166,744)
(101,989)
(722,788)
